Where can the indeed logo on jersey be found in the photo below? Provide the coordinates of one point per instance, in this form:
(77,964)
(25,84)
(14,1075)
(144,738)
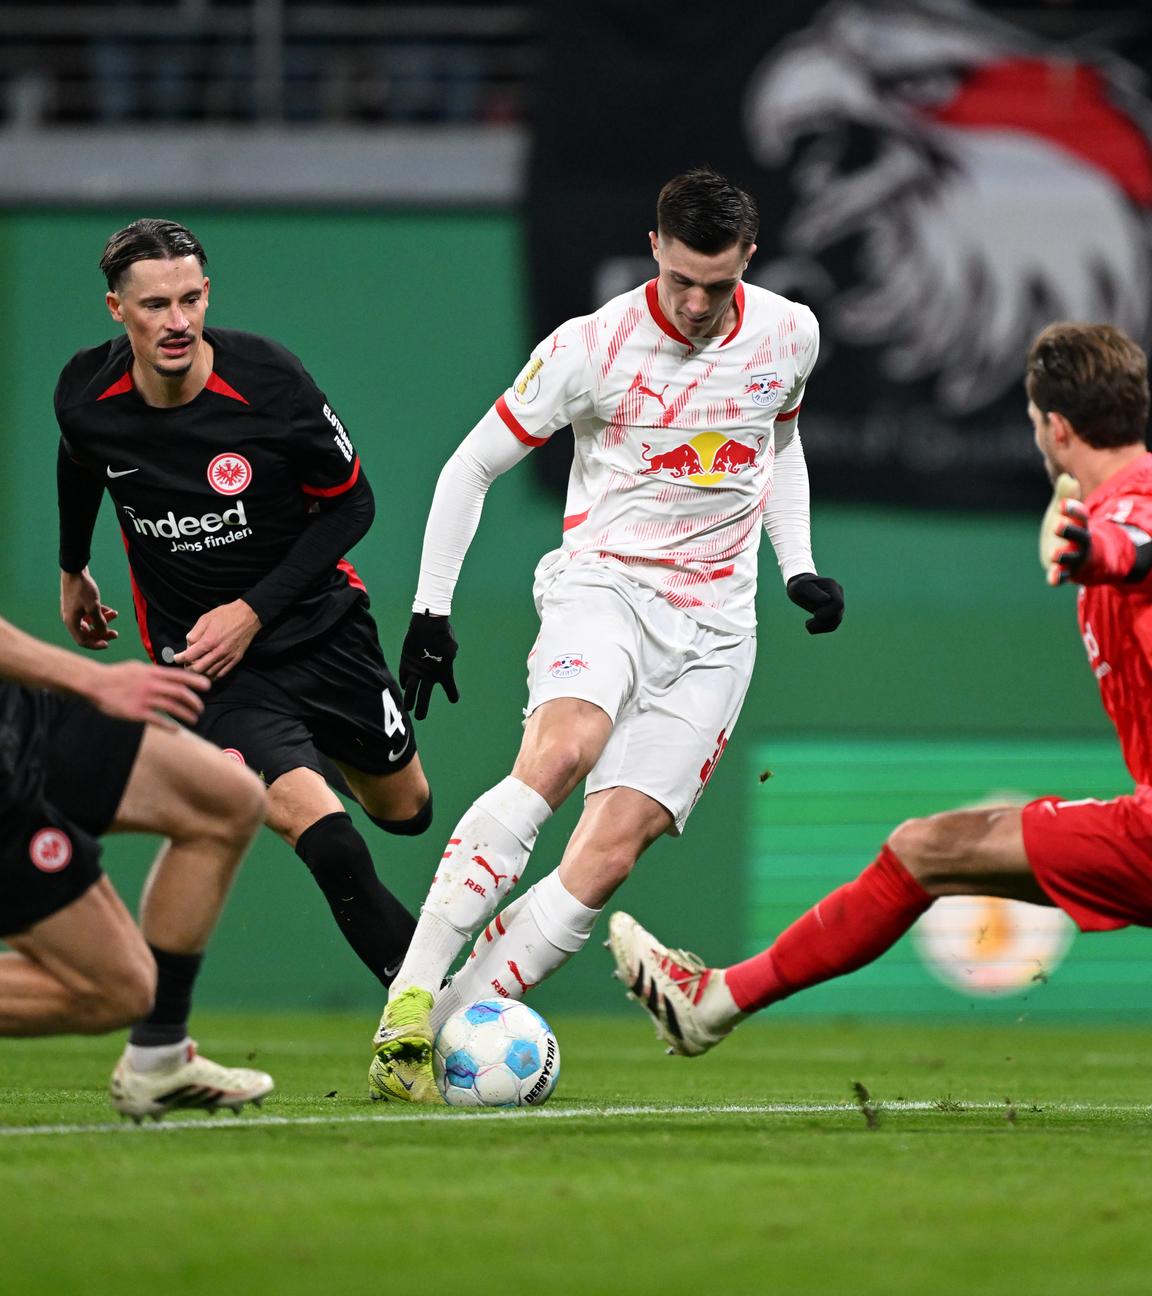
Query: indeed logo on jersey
(341,437)
(183,530)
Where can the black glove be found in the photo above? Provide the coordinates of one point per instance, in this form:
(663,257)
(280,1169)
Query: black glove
(820,595)
(426,660)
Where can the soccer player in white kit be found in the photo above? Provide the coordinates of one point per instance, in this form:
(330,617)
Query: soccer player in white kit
(682,395)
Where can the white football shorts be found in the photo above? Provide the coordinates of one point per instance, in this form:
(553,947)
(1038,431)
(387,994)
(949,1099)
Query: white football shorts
(673,687)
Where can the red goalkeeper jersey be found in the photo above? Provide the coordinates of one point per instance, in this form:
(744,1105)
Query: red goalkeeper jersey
(1116,621)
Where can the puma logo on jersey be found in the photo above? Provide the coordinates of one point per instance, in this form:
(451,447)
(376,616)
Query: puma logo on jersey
(656,396)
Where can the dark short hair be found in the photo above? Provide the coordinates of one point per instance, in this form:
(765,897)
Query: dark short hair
(1096,376)
(706,212)
(147,239)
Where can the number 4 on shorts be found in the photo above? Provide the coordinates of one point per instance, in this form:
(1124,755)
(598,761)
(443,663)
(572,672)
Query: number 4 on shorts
(393,719)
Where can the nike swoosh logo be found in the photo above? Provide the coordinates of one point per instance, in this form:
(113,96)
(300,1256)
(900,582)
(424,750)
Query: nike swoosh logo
(408,1084)
(123,472)
(395,755)
(390,972)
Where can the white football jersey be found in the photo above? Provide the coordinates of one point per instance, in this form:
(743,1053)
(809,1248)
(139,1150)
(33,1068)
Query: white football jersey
(674,441)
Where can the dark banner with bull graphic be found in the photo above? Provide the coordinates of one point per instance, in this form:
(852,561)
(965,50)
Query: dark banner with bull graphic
(937,181)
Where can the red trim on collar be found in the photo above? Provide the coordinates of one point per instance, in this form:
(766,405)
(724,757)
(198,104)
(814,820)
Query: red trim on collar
(738,302)
(217,384)
(119,387)
(657,313)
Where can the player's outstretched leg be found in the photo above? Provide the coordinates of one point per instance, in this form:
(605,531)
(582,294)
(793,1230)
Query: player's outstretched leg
(689,1003)
(185,1080)
(694,1006)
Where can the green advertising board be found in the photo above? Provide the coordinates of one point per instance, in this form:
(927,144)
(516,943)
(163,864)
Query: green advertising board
(829,806)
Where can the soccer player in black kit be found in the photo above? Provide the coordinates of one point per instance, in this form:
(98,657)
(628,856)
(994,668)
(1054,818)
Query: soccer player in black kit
(238,493)
(87,749)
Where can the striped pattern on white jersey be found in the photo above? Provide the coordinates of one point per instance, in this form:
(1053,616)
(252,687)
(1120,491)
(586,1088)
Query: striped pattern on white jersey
(674,441)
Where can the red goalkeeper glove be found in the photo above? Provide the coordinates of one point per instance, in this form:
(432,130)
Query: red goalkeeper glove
(1101,554)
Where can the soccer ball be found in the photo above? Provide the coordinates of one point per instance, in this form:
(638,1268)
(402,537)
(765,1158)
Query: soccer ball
(496,1053)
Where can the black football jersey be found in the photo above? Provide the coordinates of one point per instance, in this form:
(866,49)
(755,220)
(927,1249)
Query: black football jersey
(211,495)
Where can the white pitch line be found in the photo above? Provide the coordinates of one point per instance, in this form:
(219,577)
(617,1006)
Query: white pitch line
(201,1125)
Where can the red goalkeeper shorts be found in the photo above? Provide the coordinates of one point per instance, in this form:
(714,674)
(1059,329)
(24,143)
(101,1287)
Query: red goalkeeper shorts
(1094,858)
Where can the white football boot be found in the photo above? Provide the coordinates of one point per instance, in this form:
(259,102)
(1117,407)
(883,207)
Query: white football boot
(192,1081)
(673,987)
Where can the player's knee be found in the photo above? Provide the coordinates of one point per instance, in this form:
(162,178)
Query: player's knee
(561,763)
(137,993)
(242,806)
(111,1002)
(410,825)
(928,848)
(612,867)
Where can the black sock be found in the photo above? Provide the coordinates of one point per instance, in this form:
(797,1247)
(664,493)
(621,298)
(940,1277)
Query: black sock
(373,921)
(167,1023)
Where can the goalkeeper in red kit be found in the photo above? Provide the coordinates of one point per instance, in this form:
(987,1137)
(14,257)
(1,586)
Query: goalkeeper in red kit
(1088,402)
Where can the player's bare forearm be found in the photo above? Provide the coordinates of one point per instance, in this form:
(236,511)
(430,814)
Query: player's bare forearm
(29,661)
(85,617)
(156,695)
(128,690)
(219,639)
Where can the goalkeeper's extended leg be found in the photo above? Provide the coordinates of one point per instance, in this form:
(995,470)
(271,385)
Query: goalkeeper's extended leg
(694,1006)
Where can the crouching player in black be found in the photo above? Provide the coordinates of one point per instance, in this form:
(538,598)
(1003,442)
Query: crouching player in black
(87,749)
(238,493)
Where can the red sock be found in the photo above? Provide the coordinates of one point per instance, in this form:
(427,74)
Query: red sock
(846,930)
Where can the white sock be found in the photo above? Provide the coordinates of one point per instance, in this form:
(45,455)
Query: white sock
(484,859)
(547,929)
(717,1006)
(159,1057)
(449,1000)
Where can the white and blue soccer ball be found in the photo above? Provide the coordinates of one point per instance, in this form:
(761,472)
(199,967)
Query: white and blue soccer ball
(496,1053)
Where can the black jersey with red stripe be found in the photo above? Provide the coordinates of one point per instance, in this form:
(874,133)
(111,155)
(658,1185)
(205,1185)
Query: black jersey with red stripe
(212,495)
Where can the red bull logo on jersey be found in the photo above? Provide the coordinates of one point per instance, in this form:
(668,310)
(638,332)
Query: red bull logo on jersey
(766,389)
(708,458)
(568,665)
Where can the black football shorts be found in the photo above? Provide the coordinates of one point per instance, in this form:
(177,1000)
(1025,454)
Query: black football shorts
(87,761)
(46,863)
(49,855)
(333,695)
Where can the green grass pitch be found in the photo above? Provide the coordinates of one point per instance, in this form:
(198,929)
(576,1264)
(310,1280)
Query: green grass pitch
(1012,1159)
